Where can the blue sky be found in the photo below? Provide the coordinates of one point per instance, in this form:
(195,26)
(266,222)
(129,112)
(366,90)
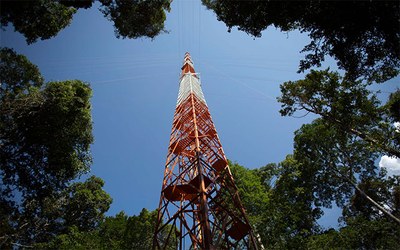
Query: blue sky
(135,86)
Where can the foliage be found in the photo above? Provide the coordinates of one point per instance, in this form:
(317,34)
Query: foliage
(358,234)
(136,18)
(381,189)
(341,146)
(115,232)
(334,160)
(43,19)
(77,3)
(366,227)
(139,230)
(290,216)
(280,209)
(110,233)
(85,204)
(36,19)
(348,106)
(393,105)
(74,215)
(17,73)
(340,149)
(72,239)
(251,191)
(363,36)
(45,135)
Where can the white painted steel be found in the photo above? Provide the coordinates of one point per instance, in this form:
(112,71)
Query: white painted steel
(190,84)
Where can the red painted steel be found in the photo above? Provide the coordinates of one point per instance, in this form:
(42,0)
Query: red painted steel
(199,204)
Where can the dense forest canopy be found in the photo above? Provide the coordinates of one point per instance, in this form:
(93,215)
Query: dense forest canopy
(43,19)
(288,219)
(45,134)
(363,36)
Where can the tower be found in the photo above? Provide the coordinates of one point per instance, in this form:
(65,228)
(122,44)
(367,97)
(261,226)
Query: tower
(199,205)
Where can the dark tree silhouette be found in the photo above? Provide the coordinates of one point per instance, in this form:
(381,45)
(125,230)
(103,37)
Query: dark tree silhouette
(43,19)
(363,36)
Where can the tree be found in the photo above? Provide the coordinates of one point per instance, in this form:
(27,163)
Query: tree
(45,137)
(17,73)
(393,106)
(358,234)
(346,105)
(108,234)
(85,204)
(278,203)
(73,215)
(333,160)
(297,190)
(366,227)
(43,19)
(136,18)
(139,230)
(36,19)
(291,213)
(362,36)
(379,189)
(340,164)
(252,192)
(341,146)
(114,232)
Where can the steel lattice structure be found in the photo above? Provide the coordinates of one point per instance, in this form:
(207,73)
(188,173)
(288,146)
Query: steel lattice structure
(199,205)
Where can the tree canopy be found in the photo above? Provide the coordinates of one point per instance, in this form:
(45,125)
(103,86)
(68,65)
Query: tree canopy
(114,232)
(345,105)
(353,130)
(45,137)
(134,19)
(17,73)
(251,191)
(279,209)
(288,218)
(365,227)
(334,161)
(363,36)
(43,19)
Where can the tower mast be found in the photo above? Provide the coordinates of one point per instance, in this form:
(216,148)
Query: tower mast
(199,204)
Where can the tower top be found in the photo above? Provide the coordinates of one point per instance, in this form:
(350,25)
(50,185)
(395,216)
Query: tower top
(188,66)
(189,82)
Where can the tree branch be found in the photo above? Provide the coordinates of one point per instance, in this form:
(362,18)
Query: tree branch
(362,135)
(376,204)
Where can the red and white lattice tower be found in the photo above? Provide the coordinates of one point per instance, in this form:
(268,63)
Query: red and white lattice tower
(199,205)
